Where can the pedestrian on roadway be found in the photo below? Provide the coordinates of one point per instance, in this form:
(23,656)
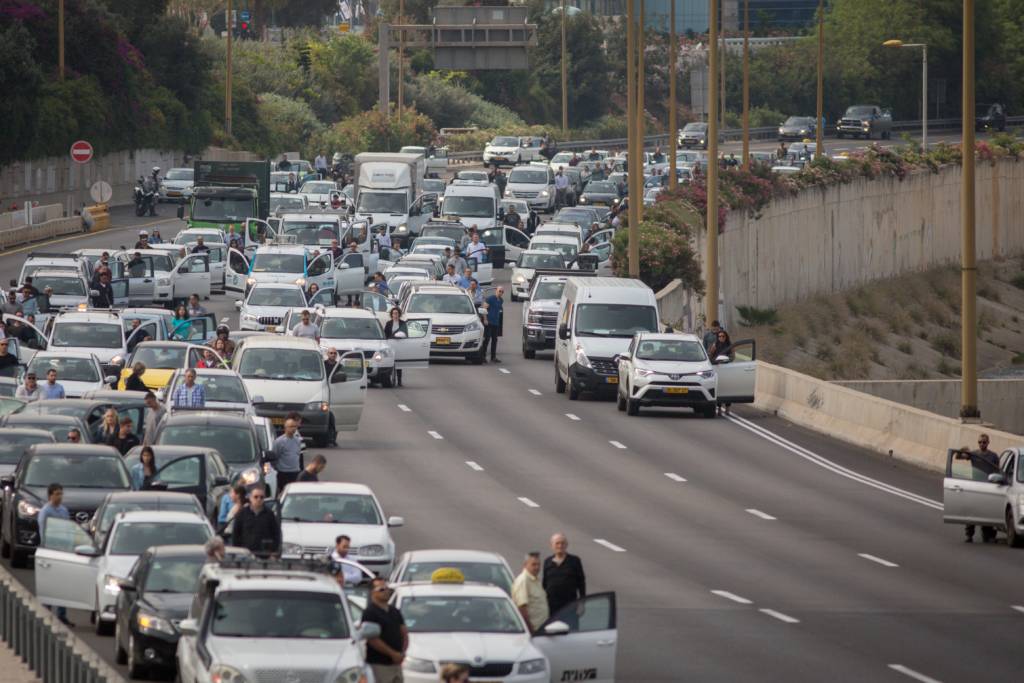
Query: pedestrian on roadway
(256,527)
(29,391)
(386,653)
(134,381)
(54,508)
(986,462)
(287,450)
(143,472)
(528,593)
(230,506)
(51,389)
(564,580)
(106,430)
(104,297)
(74,436)
(711,335)
(189,394)
(200,247)
(311,472)
(396,326)
(451,276)
(154,413)
(125,439)
(495,315)
(215,549)
(305,328)
(350,574)
(195,309)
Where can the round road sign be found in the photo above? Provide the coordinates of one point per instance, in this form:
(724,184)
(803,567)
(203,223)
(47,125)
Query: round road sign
(101,192)
(81,152)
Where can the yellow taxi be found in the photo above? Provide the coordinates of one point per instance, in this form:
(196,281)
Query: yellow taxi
(162,358)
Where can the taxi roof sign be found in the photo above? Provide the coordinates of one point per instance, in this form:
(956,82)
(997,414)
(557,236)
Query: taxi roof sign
(447,575)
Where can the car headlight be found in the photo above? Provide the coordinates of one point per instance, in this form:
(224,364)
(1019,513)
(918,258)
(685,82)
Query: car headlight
(353,675)
(702,141)
(249,476)
(300,281)
(250,281)
(27,509)
(616,200)
(382,354)
(581,357)
(508,192)
(151,622)
(780,130)
(291,549)
(534,318)
(250,317)
(421,666)
(112,584)
(222,673)
(543,193)
(583,200)
(402,229)
(706,374)
(163,282)
(322,406)
(518,279)
(473,327)
(372,551)
(643,372)
(532,666)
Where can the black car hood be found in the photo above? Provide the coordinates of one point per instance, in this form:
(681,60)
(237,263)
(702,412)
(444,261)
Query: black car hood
(75,500)
(169,605)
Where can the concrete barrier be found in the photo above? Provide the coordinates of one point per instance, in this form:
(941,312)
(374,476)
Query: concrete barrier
(679,307)
(27,234)
(904,432)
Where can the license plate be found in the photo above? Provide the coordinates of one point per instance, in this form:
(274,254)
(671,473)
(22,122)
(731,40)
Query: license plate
(173,194)
(611,380)
(271,328)
(600,204)
(444,341)
(277,421)
(676,390)
(366,363)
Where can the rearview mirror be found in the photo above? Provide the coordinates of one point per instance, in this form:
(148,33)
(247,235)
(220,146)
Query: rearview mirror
(997,478)
(563,331)
(396,521)
(109,379)
(126,585)
(94,292)
(7,482)
(238,305)
(366,631)
(86,551)
(188,627)
(556,628)
(339,376)
(14,283)
(399,335)
(722,359)
(220,481)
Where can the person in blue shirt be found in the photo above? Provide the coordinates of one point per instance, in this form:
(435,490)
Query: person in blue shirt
(54,508)
(493,329)
(144,471)
(51,389)
(230,505)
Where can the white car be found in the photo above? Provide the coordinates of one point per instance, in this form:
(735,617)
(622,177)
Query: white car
(455,327)
(450,620)
(974,492)
(37,261)
(561,160)
(72,572)
(266,304)
(97,332)
(359,330)
(479,566)
(176,185)
(673,370)
(225,389)
(296,264)
(319,192)
(566,246)
(162,277)
(313,514)
(193,234)
(503,149)
(76,372)
(286,202)
(534,183)
(70,290)
(530,261)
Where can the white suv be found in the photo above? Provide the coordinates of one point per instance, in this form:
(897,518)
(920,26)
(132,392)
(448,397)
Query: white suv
(455,327)
(534,183)
(667,370)
(503,149)
(266,305)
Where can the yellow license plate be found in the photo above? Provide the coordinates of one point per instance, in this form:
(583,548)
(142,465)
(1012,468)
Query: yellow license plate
(676,390)
(366,363)
(611,380)
(600,204)
(271,328)
(444,341)
(277,421)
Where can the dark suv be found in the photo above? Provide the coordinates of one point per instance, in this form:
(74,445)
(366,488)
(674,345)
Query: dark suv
(990,117)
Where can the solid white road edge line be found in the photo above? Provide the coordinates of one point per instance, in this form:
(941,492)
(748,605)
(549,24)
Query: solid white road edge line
(674,477)
(609,545)
(618,444)
(917,676)
(504,371)
(875,558)
(474,466)
(528,503)
(827,464)
(762,515)
(1019,608)
(732,596)
(404,408)
(779,615)
(573,417)
(534,392)
(435,434)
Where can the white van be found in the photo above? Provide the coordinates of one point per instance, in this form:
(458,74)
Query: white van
(597,319)
(535,184)
(472,202)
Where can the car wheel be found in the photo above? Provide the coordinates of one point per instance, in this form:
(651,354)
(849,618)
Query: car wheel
(574,393)
(390,380)
(5,547)
(514,297)
(621,401)
(710,411)
(1013,539)
(559,382)
(103,628)
(475,358)
(19,558)
(632,407)
(529,353)
(135,669)
(120,655)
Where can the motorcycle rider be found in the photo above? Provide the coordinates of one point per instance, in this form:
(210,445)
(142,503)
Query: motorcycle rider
(152,188)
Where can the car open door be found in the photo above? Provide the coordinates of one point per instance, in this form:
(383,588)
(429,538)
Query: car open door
(236,271)
(580,639)
(604,259)
(66,577)
(968,496)
(737,376)
(349,275)
(323,297)
(516,241)
(197,330)
(483,272)
(348,391)
(149,328)
(192,276)
(141,278)
(320,271)
(414,350)
(36,340)
(121,291)
(218,262)
(256,231)
(184,475)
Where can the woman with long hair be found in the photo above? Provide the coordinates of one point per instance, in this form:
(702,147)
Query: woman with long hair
(107,429)
(393,327)
(144,470)
(722,347)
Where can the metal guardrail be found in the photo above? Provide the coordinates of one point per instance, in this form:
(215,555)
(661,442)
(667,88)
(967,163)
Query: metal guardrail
(53,652)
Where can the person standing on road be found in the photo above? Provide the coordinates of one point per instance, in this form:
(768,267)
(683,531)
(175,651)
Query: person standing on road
(54,508)
(256,527)
(51,389)
(474,291)
(106,430)
(287,455)
(200,247)
(456,260)
(564,580)
(134,381)
(144,471)
(331,361)
(495,303)
(561,187)
(987,462)
(104,297)
(125,439)
(11,306)
(386,653)
(306,328)
(195,309)
(320,163)
(230,506)
(29,391)
(351,575)
(711,335)
(528,593)
(7,359)
(451,276)
(189,394)
(476,249)
(393,327)
(311,472)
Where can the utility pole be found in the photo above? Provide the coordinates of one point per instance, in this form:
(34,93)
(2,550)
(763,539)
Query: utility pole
(819,128)
(631,155)
(228,77)
(746,84)
(60,39)
(641,100)
(565,77)
(711,255)
(968,267)
(673,123)
(401,57)
(721,82)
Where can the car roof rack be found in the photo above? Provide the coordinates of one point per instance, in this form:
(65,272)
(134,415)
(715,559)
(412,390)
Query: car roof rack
(310,563)
(47,254)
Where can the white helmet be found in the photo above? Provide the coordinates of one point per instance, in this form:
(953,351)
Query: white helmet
(156,170)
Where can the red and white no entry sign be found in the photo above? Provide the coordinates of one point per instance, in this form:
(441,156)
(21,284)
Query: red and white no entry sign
(81,151)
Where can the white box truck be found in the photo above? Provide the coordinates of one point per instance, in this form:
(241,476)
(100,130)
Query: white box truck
(388,190)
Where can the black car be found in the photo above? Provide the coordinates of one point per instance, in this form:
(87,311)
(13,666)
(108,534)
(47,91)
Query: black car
(990,116)
(91,408)
(87,473)
(128,501)
(797,128)
(189,469)
(58,425)
(154,598)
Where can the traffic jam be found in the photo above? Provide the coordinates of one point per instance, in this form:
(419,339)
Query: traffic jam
(158,460)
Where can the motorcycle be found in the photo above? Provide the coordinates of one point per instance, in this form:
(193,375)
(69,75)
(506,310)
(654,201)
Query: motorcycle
(145,197)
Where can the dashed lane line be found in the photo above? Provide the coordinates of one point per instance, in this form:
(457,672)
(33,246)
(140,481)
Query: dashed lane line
(535,392)
(675,477)
(618,444)
(608,544)
(404,408)
(573,417)
(779,615)
(504,371)
(916,675)
(474,466)
(877,560)
(732,596)
(528,503)
(762,515)
(435,435)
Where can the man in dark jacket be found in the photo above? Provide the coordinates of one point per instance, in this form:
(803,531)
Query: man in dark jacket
(104,293)
(495,303)
(564,580)
(256,527)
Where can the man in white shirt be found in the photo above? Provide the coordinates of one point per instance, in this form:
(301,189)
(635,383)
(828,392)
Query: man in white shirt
(306,328)
(476,249)
(351,574)
(320,163)
(561,188)
(451,276)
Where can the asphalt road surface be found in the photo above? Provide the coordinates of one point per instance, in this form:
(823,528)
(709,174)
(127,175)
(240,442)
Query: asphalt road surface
(741,549)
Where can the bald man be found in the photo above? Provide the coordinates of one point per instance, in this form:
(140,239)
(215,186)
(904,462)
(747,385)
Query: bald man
(564,580)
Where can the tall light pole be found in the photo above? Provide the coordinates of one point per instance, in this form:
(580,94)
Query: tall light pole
(641,76)
(227,74)
(401,58)
(60,39)
(924,85)
(746,84)
(565,77)
(711,255)
(819,129)
(673,123)
(968,266)
(631,154)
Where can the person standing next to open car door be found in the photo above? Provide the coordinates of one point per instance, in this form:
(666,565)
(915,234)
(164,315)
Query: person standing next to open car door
(104,297)
(256,527)
(493,322)
(986,462)
(394,326)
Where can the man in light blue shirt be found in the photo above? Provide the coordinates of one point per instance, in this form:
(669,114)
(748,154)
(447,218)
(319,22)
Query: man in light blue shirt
(54,508)
(287,455)
(50,389)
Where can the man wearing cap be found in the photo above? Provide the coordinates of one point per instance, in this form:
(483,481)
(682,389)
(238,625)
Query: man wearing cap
(29,391)
(222,333)
(143,242)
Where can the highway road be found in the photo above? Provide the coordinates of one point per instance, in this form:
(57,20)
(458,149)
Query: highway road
(741,549)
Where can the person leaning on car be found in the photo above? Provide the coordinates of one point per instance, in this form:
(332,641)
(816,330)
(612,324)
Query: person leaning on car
(986,462)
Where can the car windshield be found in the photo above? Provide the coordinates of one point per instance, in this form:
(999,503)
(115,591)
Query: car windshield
(12,446)
(180,174)
(89,335)
(87,471)
(695,127)
(333,508)
(351,328)
(568,251)
(381,202)
(797,121)
(528,176)
(223,388)
(601,187)
(615,320)
(113,509)
(279,263)
(549,290)
(234,443)
(297,365)
(448,614)
(471,207)
(61,286)
(860,111)
(311,232)
(477,572)
(31,268)
(671,349)
(441,303)
(454,234)
(276,296)
(317,188)
(545,260)
(159,357)
(562,157)
(521,208)
(223,209)
(192,236)
(505,142)
(279,614)
(280,204)
(68,369)
(173,575)
(134,538)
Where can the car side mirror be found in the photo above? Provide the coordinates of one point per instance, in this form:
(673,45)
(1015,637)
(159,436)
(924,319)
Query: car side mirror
(14,283)
(399,335)
(367,631)
(7,482)
(220,481)
(238,305)
(110,379)
(722,359)
(396,521)
(338,377)
(343,266)
(158,486)
(563,331)
(189,627)
(87,551)
(183,269)
(556,628)
(181,213)
(997,478)
(126,584)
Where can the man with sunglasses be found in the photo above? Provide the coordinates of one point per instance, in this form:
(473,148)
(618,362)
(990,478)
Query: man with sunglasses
(74,436)
(256,527)
(29,391)
(386,653)
(987,462)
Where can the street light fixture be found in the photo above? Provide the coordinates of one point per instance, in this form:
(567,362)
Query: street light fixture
(924,85)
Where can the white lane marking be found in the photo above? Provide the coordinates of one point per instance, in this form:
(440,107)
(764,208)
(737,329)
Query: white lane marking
(827,464)
(732,596)
(618,444)
(762,515)
(609,545)
(1019,608)
(780,616)
(535,392)
(571,416)
(674,477)
(504,371)
(474,466)
(528,503)
(916,675)
(435,435)
(404,408)
(874,558)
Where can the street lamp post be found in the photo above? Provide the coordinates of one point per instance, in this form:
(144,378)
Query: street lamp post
(673,121)
(228,75)
(746,84)
(924,85)
(60,39)
(968,254)
(565,78)
(711,253)
(819,128)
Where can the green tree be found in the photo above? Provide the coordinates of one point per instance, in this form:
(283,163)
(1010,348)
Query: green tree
(288,124)
(371,131)
(589,87)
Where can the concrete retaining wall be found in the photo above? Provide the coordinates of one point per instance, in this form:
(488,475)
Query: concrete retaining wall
(1001,401)
(907,433)
(679,307)
(828,240)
